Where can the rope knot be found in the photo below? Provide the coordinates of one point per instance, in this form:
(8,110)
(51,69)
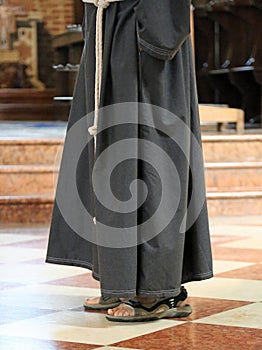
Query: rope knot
(93,130)
(102,3)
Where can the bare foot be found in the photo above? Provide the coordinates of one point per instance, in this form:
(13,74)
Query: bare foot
(126,310)
(121,310)
(91,301)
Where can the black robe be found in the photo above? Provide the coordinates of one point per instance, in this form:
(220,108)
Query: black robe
(149,82)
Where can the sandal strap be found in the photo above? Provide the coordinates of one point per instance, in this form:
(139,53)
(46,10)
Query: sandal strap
(170,302)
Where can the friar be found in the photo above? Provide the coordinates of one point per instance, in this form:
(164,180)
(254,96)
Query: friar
(130,202)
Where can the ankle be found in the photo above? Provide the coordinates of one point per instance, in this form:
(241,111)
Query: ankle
(146,300)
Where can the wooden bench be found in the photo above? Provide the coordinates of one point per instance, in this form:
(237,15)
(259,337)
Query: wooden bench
(221,114)
(215,113)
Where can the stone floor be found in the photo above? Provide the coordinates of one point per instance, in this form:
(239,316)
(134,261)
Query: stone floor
(57,129)
(41,304)
(32,130)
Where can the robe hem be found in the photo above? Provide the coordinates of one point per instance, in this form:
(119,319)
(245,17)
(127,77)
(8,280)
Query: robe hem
(71,262)
(198,277)
(131,292)
(160,293)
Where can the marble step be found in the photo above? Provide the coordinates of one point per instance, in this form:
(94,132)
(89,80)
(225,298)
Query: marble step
(30,208)
(217,148)
(37,208)
(233,176)
(30,151)
(234,203)
(16,179)
(232,148)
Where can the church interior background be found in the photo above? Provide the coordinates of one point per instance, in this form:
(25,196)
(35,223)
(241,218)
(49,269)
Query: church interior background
(41,306)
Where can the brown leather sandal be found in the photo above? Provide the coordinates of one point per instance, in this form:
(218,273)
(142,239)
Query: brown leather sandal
(162,308)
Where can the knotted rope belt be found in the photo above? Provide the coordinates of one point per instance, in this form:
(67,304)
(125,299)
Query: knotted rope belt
(101,5)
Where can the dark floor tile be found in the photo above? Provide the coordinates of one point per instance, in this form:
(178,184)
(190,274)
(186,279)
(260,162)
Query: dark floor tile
(236,254)
(193,336)
(218,239)
(204,307)
(253,272)
(16,343)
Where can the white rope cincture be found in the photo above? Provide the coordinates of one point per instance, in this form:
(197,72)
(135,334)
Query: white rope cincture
(101,6)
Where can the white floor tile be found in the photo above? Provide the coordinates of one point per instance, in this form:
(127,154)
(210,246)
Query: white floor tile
(10,255)
(10,238)
(34,229)
(227,288)
(31,274)
(250,243)
(47,297)
(236,220)
(50,289)
(81,327)
(44,302)
(225,265)
(246,316)
(236,230)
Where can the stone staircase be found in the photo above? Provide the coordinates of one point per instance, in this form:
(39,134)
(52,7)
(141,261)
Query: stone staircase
(28,173)
(29,169)
(233,165)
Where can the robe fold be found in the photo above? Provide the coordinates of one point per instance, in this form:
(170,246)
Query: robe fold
(148,73)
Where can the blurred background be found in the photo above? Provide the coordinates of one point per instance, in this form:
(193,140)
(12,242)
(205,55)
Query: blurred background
(41,44)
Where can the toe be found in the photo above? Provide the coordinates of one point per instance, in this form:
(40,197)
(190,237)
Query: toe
(112,311)
(121,310)
(126,313)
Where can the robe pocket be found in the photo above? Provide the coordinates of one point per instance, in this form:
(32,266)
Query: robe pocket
(162,26)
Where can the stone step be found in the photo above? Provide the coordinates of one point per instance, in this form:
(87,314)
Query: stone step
(16,179)
(234,203)
(217,148)
(234,176)
(32,208)
(38,208)
(33,151)
(232,148)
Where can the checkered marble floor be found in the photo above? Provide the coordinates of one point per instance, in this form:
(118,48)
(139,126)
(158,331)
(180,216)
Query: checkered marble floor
(41,304)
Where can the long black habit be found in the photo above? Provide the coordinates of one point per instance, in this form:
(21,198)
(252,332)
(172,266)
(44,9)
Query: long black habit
(147,58)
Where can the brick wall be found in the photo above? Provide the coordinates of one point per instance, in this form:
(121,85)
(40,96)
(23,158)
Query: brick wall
(55,13)
(54,16)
